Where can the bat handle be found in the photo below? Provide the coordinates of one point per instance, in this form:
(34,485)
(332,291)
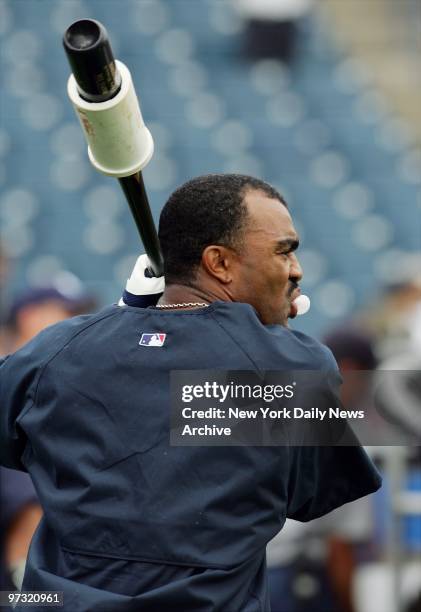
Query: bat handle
(137,198)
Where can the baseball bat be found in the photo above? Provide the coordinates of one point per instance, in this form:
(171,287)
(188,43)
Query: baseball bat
(119,144)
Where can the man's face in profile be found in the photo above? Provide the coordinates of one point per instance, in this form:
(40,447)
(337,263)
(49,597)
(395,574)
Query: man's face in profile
(267,270)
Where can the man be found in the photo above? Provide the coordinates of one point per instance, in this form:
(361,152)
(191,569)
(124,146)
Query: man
(131,522)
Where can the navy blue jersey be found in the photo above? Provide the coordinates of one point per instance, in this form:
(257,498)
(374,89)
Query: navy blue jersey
(132,523)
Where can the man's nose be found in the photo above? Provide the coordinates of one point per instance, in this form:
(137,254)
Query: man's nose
(296,272)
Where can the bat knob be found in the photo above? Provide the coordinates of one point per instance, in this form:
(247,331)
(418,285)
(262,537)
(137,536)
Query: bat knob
(92,61)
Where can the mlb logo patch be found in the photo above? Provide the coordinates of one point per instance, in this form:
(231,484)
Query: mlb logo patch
(152,339)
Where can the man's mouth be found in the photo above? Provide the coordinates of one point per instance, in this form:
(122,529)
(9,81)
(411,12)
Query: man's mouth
(295,293)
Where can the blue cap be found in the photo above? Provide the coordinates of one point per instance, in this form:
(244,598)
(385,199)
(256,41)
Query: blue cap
(75,302)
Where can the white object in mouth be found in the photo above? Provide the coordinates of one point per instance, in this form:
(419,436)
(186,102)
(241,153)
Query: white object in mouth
(303,304)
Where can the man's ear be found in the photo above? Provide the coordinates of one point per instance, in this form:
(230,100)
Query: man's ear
(218,261)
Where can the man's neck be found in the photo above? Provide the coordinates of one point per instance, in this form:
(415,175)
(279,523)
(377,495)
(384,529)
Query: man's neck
(182,294)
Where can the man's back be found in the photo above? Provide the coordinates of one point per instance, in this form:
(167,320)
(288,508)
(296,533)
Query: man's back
(130,521)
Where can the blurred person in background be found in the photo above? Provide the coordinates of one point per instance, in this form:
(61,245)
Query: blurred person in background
(3,278)
(20,510)
(272,26)
(312,566)
(415,606)
(354,350)
(4,270)
(36,308)
(19,517)
(395,322)
(350,535)
(395,318)
(32,311)
(398,397)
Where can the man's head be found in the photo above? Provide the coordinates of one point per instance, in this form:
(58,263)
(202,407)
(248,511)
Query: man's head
(36,308)
(354,351)
(231,236)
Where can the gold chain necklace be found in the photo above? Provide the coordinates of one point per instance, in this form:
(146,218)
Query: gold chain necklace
(182,305)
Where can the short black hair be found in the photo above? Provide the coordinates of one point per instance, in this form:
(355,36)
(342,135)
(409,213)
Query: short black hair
(206,210)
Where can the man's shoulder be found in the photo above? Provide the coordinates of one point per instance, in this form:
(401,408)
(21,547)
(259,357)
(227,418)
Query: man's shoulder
(319,352)
(271,344)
